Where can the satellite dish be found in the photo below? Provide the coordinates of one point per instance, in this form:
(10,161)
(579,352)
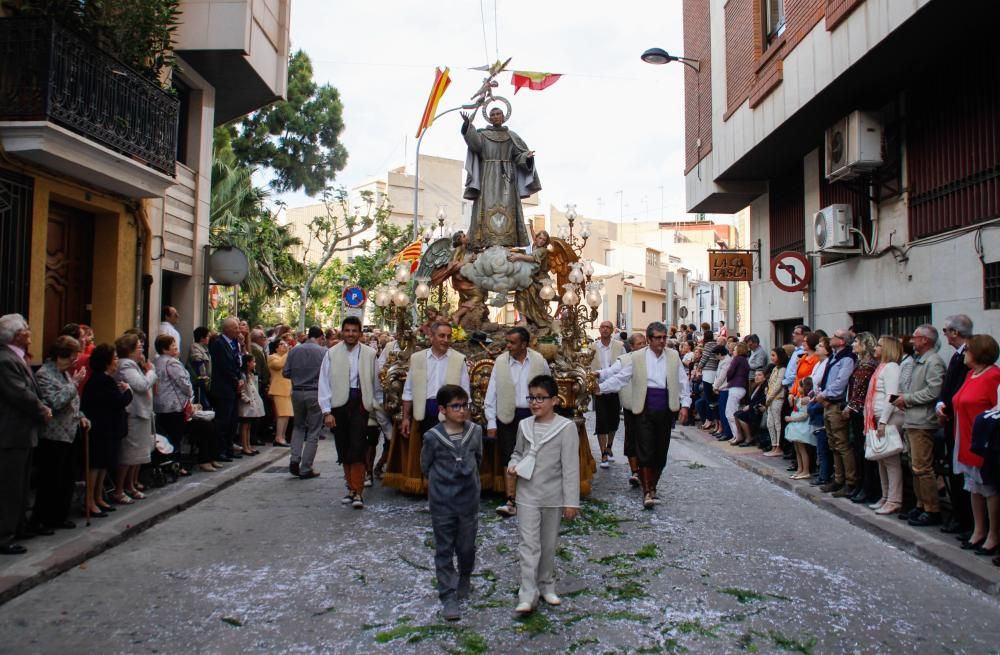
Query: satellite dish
(228,265)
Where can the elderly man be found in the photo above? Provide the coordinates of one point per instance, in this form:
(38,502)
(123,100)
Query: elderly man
(920,422)
(21,414)
(303,367)
(957,330)
(227,384)
(758,356)
(832,396)
(606,406)
(506,402)
(168,324)
(660,391)
(346,398)
(635,342)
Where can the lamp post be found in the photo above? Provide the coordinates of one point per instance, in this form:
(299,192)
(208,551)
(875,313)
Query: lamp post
(659,56)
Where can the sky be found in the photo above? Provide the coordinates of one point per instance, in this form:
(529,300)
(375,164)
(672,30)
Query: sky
(611,124)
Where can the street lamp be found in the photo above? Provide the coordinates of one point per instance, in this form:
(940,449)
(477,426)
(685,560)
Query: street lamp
(441,216)
(659,56)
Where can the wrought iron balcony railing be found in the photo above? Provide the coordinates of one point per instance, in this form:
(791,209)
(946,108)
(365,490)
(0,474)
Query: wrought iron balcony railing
(50,73)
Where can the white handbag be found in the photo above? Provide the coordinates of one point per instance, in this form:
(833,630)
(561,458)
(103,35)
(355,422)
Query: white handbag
(877,448)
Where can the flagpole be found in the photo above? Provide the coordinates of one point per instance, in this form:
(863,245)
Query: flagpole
(416,168)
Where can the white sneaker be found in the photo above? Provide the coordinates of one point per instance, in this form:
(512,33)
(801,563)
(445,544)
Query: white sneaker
(611,456)
(604,463)
(552,599)
(357,503)
(368,480)
(346,500)
(524,608)
(507,509)
(648,501)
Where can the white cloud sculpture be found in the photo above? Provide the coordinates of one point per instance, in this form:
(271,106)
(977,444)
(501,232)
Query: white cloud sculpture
(492,271)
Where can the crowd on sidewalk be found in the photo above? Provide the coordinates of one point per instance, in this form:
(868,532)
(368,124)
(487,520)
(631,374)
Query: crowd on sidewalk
(880,421)
(124,416)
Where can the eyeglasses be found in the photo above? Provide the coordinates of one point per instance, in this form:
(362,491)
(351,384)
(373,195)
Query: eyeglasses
(537,399)
(458,407)
(658,337)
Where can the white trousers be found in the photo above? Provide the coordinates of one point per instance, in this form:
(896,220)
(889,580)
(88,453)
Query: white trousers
(538,528)
(732,404)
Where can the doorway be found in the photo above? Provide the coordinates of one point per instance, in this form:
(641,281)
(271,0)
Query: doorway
(69,269)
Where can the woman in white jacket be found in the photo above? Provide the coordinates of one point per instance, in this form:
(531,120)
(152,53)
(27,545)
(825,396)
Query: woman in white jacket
(880,412)
(135,449)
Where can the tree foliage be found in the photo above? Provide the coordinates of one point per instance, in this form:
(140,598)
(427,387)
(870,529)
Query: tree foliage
(138,32)
(296,139)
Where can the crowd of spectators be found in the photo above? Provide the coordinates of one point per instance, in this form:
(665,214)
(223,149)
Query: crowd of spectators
(98,424)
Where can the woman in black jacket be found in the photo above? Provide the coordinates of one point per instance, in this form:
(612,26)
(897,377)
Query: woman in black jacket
(104,402)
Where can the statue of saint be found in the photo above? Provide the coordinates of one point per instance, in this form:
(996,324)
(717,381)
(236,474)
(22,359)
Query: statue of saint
(501,171)
(534,310)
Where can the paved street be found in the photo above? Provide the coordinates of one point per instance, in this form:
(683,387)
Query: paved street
(729,563)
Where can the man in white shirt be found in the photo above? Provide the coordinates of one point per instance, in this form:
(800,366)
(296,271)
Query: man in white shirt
(346,396)
(169,318)
(606,406)
(636,341)
(660,391)
(506,402)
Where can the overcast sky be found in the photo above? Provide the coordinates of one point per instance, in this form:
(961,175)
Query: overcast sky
(611,123)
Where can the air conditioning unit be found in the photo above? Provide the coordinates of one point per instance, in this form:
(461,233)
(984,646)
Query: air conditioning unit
(853,146)
(832,227)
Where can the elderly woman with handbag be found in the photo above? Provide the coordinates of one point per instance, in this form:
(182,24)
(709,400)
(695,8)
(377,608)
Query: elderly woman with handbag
(137,446)
(172,399)
(883,442)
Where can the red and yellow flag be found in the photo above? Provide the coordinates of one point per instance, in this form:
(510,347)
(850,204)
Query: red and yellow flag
(532,80)
(441,82)
(410,253)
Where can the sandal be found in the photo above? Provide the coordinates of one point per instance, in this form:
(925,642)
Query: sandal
(122,500)
(136,494)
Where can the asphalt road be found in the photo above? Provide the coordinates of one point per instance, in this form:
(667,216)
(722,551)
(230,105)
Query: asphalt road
(727,564)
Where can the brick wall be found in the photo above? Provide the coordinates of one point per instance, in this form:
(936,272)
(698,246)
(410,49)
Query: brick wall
(753,72)
(697,85)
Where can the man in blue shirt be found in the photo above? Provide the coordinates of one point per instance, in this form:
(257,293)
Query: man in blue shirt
(798,336)
(833,397)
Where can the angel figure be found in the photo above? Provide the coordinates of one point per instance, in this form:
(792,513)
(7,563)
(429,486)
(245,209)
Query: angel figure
(528,302)
(443,260)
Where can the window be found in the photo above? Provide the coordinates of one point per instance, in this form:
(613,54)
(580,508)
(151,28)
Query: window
(652,258)
(15,242)
(898,321)
(183,120)
(772,20)
(663,311)
(620,311)
(643,306)
(991,285)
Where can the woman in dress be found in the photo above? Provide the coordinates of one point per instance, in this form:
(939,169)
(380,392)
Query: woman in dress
(251,407)
(879,413)
(978,395)
(134,370)
(775,399)
(103,402)
(54,454)
(806,362)
(799,432)
(280,390)
(737,380)
(857,389)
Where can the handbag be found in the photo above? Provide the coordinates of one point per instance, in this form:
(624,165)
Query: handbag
(188,411)
(877,448)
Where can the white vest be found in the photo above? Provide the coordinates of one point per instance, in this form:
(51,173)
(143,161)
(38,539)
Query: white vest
(340,368)
(617,350)
(625,394)
(639,377)
(418,369)
(505,382)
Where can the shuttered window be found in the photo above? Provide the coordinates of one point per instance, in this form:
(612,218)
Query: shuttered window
(786,201)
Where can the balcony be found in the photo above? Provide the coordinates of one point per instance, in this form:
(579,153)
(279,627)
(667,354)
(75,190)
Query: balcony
(70,107)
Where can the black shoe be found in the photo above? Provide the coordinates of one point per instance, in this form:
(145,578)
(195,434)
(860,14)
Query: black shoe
(973,545)
(862,497)
(309,476)
(912,514)
(41,530)
(965,536)
(990,552)
(13,549)
(100,515)
(223,458)
(65,525)
(953,527)
(831,486)
(818,482)
(236,456)
(293,468)
(788,456)
(464,587)
(926,519)
(792,468)
(844,492)
(746,444)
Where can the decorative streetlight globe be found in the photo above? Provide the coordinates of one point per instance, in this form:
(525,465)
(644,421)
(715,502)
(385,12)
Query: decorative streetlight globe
(588,268)
(400,299)
(422,290)
(547,292)
(593,298)
(403,273)
(575,274)
(228,265)
(570,299)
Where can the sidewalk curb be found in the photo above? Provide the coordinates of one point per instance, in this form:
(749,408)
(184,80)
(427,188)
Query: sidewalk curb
(90,542)
(979,573)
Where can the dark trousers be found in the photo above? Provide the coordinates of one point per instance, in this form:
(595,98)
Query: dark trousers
(630,428)
(226,416)
(607,408)
(14,466)
(171,426)
(350,433)
(868,475)
(961,501)
(454,538)
(507,433)
(653,438)
(54,462)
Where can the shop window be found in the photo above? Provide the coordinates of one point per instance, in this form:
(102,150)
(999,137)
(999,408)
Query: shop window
(897,321)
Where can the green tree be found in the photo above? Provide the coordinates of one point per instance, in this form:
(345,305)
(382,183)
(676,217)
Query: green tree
(296,140)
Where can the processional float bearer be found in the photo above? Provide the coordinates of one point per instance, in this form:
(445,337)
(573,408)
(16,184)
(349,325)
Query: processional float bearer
(430,369)
(606,405)
(660,390)
(507,403)
(346,397)
(635,342)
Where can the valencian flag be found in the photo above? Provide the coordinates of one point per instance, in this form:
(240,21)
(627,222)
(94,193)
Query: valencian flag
(410,253)
(441,82)
(532,80)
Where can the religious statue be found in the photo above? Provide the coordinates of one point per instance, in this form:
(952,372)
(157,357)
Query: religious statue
(534,310)
(443,260)
(501,171)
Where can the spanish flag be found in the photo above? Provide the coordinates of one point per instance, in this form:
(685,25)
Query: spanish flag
(441,82)
(410,253)
(532,80)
